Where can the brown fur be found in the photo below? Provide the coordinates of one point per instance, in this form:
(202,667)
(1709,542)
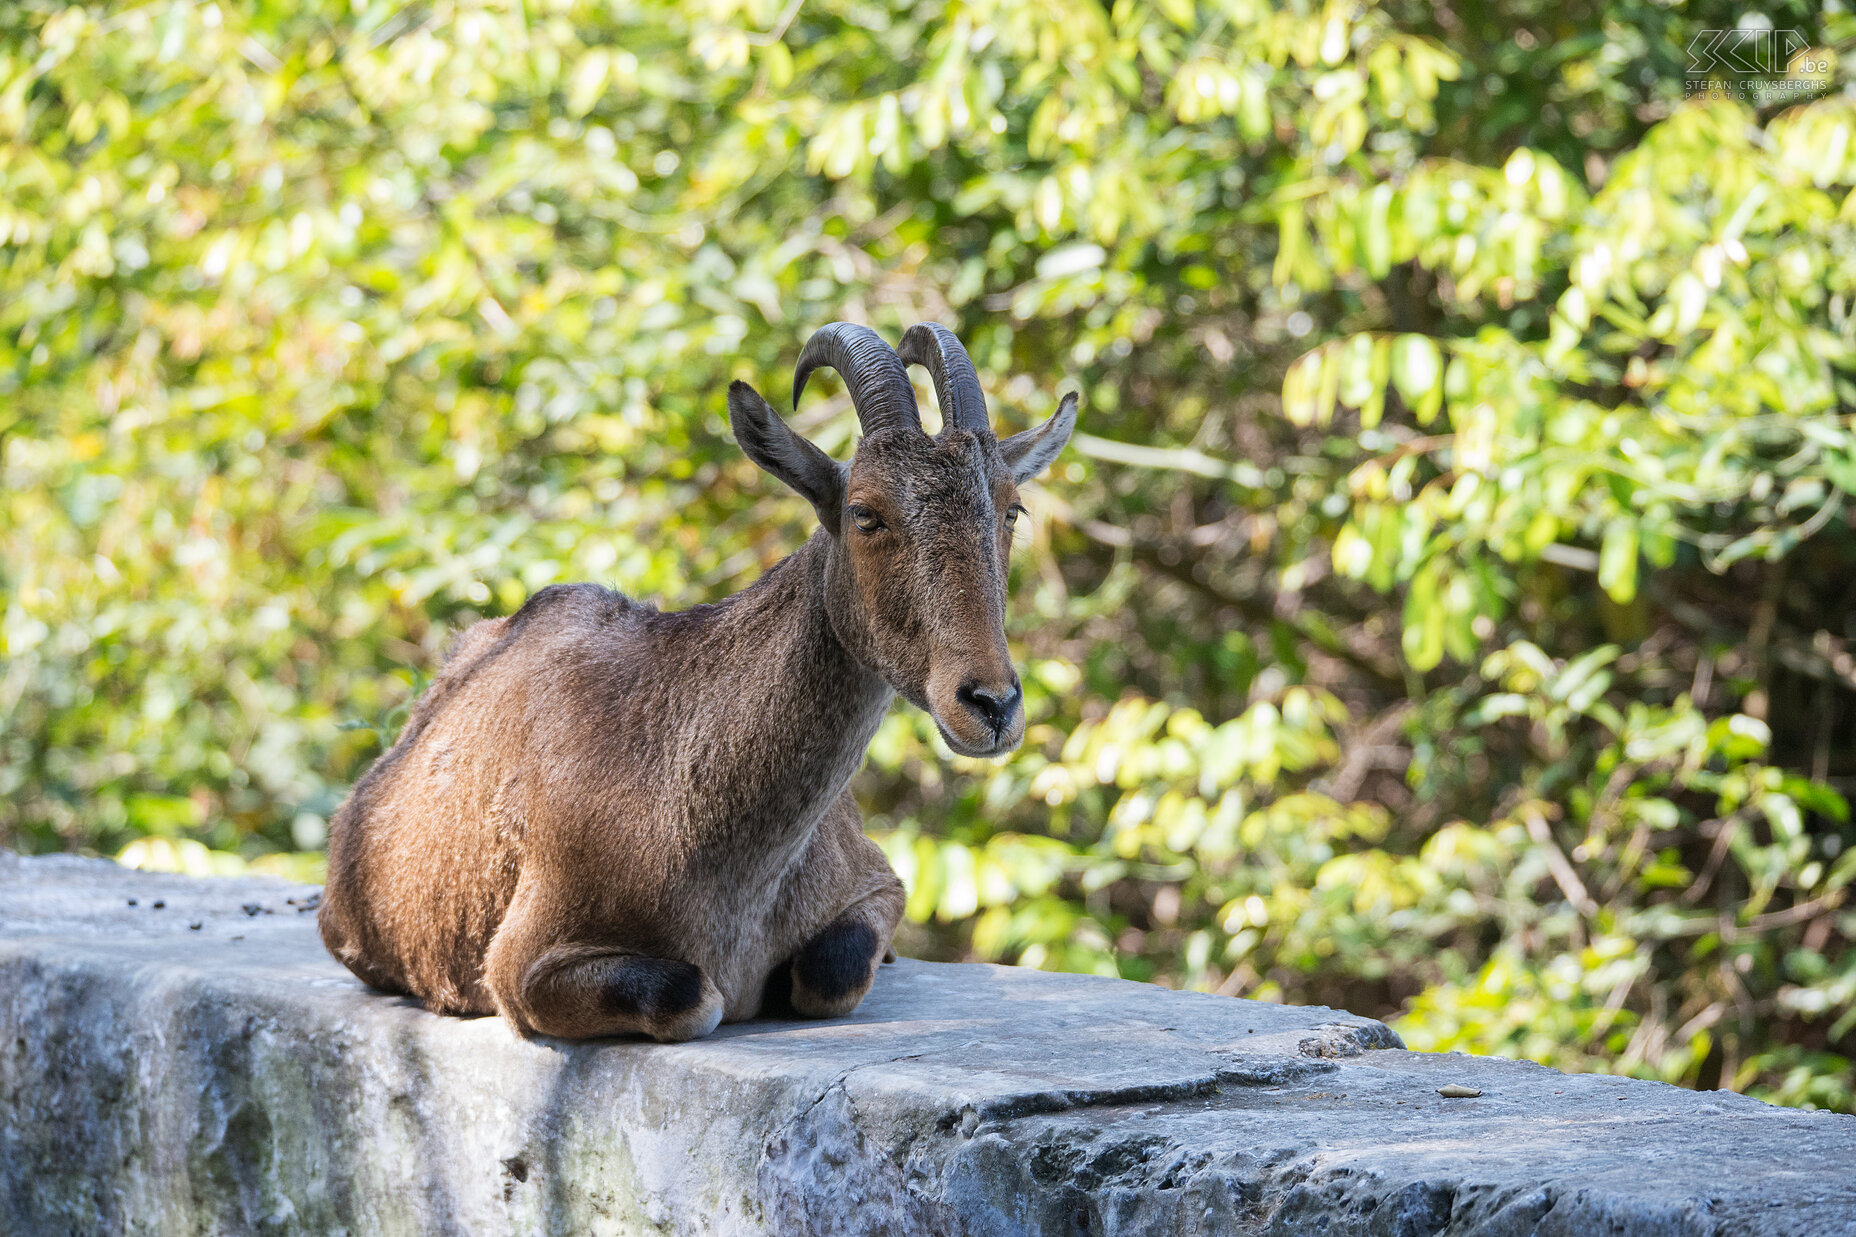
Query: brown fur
(602,819)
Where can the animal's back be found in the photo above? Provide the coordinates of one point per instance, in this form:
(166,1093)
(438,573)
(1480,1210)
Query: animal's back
(425,853)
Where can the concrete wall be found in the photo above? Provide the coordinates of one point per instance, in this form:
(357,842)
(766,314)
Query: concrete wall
(203,1067)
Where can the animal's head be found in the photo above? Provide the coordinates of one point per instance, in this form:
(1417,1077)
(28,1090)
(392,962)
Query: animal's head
(920,526)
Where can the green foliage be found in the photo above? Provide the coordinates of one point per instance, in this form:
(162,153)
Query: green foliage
(1444,612)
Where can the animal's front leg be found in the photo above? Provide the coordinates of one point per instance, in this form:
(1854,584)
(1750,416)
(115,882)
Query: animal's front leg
(579,991)
(831,973)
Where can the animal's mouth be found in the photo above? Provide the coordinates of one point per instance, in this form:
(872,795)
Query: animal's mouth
(1003,744)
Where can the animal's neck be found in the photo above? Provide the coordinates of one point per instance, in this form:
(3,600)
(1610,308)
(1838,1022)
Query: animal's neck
(817,704)
(837,679)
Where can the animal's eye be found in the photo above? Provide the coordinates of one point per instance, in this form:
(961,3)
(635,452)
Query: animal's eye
(1012,513)
(866,520)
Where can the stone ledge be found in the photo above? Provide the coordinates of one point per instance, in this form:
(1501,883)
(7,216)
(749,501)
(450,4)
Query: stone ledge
(157,1078)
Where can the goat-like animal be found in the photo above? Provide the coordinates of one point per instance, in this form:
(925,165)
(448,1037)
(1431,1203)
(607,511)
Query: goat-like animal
(602,819)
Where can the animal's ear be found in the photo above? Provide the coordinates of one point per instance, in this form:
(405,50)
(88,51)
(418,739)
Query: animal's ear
(769,442)
(1031,452)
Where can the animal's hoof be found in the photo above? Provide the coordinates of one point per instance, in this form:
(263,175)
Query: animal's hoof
(832,973)
(672,1000)
(693,1024)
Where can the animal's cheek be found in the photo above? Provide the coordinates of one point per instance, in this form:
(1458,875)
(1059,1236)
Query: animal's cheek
(883,578)
(895,609)
(873,560)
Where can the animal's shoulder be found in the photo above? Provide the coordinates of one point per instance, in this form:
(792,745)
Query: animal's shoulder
(570,605)
(557,610)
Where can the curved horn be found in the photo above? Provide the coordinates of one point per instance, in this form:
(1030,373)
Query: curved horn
(875,376)
(956,385)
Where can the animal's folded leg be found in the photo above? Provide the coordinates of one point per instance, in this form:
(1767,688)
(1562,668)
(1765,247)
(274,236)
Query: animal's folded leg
(578,992)
(834,970)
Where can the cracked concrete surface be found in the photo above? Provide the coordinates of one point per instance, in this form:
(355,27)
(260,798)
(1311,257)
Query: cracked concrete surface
(159,1078)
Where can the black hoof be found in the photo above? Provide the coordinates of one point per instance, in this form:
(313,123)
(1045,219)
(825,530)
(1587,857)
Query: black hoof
(837,961)
(652,988)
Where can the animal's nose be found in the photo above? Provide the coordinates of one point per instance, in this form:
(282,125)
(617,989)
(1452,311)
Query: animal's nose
(995,705)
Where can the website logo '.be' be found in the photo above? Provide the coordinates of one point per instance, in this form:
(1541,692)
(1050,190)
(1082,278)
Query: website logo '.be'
(1762,66)
(1750,53)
